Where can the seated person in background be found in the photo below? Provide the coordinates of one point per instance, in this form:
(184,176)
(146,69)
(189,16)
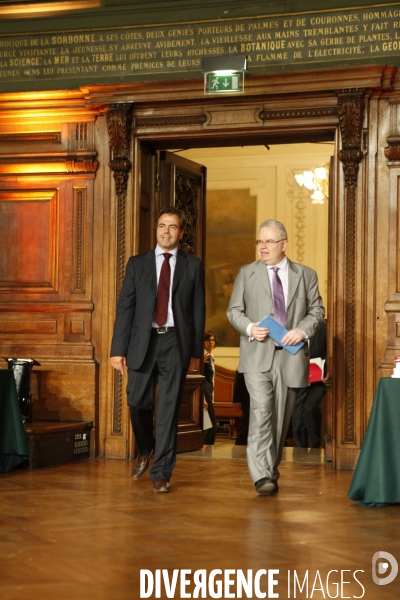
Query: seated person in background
(307,417)
(241,396)
(210,342)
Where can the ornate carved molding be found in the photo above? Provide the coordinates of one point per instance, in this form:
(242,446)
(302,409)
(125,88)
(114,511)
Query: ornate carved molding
(297,196)
(119,118)
(32,138)
(268,115)
(300,225)
(81,136)
(117,404)
(186,199)
(119,124)
(78,250)
(170,121)
(81,164)
(350,111)
(41,162)
(392,151)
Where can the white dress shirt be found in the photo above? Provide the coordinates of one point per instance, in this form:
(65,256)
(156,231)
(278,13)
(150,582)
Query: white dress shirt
(159,252)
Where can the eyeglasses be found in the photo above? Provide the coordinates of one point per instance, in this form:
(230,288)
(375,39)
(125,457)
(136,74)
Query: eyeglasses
(268,242)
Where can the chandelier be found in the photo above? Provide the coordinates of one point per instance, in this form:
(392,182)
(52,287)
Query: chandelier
(316,181)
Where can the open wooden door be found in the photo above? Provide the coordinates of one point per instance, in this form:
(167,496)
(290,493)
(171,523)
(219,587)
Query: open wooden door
(182,183)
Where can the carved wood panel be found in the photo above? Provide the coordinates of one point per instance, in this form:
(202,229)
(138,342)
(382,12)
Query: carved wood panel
(119,131)
(46,216)
(28,226)
(79,219)
(350,112)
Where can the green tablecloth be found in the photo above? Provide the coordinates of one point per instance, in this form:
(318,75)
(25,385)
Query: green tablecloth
(13,443)
(376,480)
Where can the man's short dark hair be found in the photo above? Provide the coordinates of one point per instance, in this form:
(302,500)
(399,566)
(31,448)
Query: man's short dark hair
(171,210)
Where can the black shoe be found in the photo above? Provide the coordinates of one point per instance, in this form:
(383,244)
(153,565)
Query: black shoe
(266,486)
(161,485)
(141,465)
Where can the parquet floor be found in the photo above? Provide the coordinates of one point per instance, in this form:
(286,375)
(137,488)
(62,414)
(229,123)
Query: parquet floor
(84,530)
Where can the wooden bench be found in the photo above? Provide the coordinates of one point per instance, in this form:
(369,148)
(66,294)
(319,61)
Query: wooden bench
(55,442)
(223,394)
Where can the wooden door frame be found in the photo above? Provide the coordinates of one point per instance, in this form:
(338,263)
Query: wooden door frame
(308,106)
(330,411)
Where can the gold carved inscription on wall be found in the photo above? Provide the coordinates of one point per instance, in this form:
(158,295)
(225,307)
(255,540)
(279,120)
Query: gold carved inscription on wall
(341,36)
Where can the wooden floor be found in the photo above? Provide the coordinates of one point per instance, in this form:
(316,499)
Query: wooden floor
(84,530)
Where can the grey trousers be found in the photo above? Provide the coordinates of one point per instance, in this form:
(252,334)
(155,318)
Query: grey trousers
(271,407)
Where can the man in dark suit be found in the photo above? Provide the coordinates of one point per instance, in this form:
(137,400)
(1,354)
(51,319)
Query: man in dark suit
(273,285)
(307,416)
(158,334)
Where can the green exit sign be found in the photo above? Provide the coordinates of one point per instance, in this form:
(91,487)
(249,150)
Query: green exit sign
(216,83)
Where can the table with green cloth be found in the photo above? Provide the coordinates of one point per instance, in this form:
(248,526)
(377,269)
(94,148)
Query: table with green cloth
(376,480)
(13,442)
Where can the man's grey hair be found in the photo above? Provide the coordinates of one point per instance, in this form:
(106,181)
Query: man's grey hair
(274,223)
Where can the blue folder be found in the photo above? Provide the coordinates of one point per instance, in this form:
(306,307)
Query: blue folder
(277,333)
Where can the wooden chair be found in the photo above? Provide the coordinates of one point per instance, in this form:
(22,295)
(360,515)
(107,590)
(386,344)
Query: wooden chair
(223,394)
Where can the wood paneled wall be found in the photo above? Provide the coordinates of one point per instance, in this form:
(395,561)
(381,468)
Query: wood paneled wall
(74,204)
(47,170)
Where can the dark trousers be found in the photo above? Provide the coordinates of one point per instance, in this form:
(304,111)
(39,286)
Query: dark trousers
(241,395)
(243,430)
(210,434)
(161,366)
(307,417)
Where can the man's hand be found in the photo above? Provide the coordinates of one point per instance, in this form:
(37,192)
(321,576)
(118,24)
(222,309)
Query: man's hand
(193,365)
(293,337)
(259,333)
(118,363)
(325,379)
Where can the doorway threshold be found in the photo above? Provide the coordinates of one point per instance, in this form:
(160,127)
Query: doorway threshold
(224,448)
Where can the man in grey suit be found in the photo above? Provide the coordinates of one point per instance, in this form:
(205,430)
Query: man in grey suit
(158,334)
(287,291)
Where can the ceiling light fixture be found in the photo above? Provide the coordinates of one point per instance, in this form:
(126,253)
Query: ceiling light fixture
(316,181)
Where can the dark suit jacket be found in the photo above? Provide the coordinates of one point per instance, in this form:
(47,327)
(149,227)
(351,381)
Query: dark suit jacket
(209,375)
(318,342)
(136,305)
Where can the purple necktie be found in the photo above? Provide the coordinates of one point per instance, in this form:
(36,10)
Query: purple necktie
(279,298)
(161,312)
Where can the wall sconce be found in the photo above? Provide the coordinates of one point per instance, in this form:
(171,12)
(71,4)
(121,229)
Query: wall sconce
(224,74)
(316,181)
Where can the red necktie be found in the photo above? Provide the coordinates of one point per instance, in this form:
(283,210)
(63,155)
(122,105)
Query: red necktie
(161,312)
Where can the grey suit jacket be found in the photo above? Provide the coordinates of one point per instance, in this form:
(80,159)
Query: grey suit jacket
(252,300)
(136,305)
